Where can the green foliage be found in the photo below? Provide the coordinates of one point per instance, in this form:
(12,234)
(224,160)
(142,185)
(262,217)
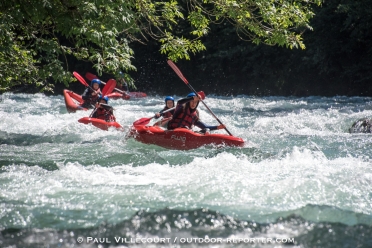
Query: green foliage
(178,48)
(39,38)
(337,59)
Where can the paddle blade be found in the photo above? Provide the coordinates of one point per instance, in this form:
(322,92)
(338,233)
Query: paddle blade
(80,78)
(109,87)
(142,121)
(177,71)
(90,76)
(202,95)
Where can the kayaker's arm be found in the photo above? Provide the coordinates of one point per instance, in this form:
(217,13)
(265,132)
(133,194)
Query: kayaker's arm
(157,115)
(86,94)
(202,125)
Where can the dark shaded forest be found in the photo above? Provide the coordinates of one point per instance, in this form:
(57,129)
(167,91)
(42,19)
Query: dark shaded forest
(336,61)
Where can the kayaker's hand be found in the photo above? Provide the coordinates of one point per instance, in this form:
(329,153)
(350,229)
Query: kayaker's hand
(157,115)
(222,126)
(97,92)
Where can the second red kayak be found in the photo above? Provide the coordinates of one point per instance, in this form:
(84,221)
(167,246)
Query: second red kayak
(181,138)
(73,101)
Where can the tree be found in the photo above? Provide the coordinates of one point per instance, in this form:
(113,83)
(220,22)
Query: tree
(37,37)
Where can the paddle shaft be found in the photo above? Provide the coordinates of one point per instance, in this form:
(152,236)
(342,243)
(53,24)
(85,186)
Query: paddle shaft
(92,75)
(191,88)
(92,89)
(165,111)
(179,73)
(123,92)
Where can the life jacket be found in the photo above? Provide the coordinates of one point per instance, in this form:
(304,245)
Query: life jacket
(185,119)
(104,114)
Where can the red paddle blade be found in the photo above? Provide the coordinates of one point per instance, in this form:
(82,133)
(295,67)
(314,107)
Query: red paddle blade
(177,71)
(80,78)
(202,95)
(90,76)
(142,121)
(109,87)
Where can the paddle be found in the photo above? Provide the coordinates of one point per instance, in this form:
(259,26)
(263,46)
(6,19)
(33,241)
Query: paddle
(179,73)
(145,121)
(109,87)
(91,76)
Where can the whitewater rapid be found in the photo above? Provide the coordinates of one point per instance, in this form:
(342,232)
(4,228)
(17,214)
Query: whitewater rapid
(299,159)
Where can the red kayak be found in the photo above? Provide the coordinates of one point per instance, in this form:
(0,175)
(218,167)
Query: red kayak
(181,138)
(126,96)
(102,124)
(73,101)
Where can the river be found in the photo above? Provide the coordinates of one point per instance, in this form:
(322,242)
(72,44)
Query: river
(301,179)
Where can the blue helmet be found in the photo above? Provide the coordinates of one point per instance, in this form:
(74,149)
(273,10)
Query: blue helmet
(192,94)
(95,81)
(104,98)
(168,98)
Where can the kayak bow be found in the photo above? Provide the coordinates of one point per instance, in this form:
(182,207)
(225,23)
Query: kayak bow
(102,124)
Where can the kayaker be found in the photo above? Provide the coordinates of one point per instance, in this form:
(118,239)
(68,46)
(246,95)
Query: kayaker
(121,82)
(169,103)
(186,115)
(104,111)
(89,96)
(123,86)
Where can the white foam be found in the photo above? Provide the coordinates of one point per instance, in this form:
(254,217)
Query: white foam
(312,160)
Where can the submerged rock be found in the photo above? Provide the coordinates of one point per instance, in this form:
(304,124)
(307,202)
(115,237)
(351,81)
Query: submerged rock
(361,126)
